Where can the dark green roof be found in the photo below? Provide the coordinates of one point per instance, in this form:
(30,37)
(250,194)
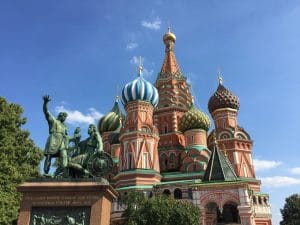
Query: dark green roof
(219,168)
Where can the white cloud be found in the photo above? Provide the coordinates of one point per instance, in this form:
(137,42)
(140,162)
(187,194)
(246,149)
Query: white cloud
(295,170)
(76,117)
(278,181)
(136,60)
(147,73)
(131,45)
(260,165)
(155,25)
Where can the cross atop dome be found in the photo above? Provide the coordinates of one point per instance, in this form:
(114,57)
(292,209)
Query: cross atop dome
(220,78)
(140,67)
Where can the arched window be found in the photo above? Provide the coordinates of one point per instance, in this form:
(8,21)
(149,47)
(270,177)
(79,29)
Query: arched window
(254,200)
(163,162)
(259,200)
(130,161)
(172,161)
(224,136)
(167,192)
(145,160)
(177,193)
(230,213)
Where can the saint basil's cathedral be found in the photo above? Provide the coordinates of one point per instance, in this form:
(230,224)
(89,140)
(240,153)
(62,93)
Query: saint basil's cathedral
(163,145)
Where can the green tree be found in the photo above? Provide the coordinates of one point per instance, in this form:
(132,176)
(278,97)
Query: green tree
(159,210)
(19,159)
(291,210)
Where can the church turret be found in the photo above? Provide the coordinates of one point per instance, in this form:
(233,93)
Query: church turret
(194,124)
(139,163)
(223,106)
(174,100)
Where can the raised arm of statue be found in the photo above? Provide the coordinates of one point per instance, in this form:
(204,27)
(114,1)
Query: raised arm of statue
(48,115)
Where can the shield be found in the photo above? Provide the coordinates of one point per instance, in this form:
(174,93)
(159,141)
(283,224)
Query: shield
(99,164)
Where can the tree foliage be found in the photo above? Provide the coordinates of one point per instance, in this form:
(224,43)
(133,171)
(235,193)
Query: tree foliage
(19,159)
(159,210)
(291,210)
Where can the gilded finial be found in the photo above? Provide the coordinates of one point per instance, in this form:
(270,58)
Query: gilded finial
(224,150)
(117,98)
(169,36)
(140,68)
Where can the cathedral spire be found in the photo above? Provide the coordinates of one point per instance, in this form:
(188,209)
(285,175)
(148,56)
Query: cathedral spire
(170,65)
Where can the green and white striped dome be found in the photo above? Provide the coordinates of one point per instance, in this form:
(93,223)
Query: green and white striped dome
(112,120)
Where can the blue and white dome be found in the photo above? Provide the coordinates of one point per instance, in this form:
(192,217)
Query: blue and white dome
(140,89)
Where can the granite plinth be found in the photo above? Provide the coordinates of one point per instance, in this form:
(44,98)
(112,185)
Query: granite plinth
(53,201)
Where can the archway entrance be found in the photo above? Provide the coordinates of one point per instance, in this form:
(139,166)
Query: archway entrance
(228,215)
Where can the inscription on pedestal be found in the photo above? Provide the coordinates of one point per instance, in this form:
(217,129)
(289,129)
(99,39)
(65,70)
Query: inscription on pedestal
(67,200)
(60,216)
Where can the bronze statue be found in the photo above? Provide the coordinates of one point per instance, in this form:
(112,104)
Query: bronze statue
(93,144)
(57,142)
(82,159)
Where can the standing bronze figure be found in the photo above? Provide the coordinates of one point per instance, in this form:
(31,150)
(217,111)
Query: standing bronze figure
(57,142)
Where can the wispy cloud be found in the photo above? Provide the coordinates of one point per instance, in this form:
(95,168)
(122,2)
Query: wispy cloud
(135,60)
(131,45)
(295,170)
(279,181)
(147,73)
(154,25)
(265,164)
(76,117)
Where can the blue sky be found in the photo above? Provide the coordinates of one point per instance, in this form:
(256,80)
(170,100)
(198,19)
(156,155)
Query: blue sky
(82,53)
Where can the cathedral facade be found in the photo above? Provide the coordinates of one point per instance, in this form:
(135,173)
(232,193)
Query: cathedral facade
(163,145)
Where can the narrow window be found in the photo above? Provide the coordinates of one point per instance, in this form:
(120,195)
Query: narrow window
(145,160)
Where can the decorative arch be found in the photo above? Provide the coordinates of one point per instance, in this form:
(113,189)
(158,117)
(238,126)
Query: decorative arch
(225,135)
(240,135)
(172,161)
(167,192)
(219,197)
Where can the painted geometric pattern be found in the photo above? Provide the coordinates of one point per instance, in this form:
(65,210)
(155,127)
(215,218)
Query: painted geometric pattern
(140,89)
(223,98)
(137,151)
(194,119)
(193,160)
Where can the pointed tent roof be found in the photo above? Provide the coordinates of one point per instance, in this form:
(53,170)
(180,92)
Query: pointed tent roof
(219,168)
(170,65)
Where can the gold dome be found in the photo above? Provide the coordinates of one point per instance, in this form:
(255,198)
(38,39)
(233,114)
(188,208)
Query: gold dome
(169,36)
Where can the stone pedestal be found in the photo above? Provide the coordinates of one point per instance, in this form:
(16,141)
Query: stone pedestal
(66,202)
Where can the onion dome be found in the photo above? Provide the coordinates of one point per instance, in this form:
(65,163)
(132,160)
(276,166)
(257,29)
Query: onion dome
(112,120)
(169,36)
(194,119)
(140,89)
(223,98)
